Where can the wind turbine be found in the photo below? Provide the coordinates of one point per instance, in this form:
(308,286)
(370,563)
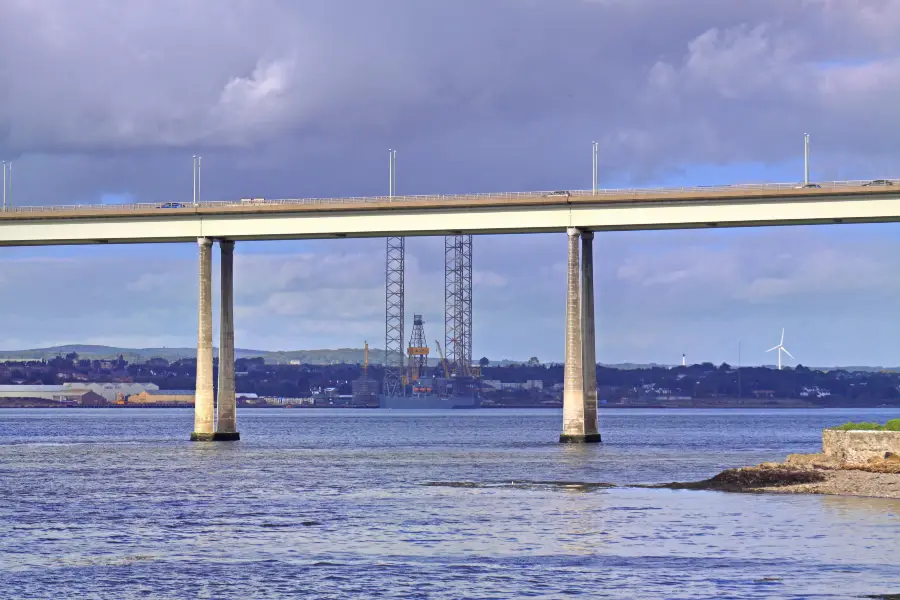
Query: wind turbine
(780,347)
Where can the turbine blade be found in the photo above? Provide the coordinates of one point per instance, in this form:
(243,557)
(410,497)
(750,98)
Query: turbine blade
(773,348)
(788,353)
(782,337)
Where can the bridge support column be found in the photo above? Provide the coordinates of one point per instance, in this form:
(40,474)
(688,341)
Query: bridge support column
(226,406)
(579,393)
(589,338)
(204,408)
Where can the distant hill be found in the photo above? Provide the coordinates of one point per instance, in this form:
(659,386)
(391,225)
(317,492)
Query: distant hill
(310,357)
(315,357)
(93,352)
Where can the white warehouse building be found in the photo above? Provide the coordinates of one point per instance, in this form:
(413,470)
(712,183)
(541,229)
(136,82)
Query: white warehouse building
(74,391)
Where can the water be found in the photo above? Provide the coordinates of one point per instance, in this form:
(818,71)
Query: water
(391,504)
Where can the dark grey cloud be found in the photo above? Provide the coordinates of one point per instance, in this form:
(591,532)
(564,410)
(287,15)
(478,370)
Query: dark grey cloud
(659,82)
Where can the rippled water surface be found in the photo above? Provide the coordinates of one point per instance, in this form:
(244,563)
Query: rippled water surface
(484,504)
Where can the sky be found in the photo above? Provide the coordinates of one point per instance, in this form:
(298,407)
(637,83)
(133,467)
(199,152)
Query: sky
(107,100)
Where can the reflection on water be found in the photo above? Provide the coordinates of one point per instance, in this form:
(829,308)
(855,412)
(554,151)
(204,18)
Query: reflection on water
(883,510)
(481,504)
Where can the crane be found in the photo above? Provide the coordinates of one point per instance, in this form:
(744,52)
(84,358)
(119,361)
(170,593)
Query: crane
(366,363)
(443,360)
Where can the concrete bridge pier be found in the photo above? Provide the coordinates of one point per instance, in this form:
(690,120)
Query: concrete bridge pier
(226,405)
(589,337)
(207,428)
(204,417)
(580,374)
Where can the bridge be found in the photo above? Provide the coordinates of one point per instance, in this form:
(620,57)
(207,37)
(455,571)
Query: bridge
(492,213)
(579,213)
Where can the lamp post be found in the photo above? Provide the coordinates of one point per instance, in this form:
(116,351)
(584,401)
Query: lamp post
(805,159)
(392,172)
(7,184)
(197,160)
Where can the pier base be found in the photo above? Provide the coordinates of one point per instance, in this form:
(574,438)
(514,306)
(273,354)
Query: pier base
(231,436)
(589,438)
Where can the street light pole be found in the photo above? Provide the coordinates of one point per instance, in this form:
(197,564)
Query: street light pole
(196,198)
(595,176)
(7,185)
(194,183)
(806,159)
(392,172)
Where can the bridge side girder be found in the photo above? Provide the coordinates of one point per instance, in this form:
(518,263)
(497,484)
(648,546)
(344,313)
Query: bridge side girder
(471,218)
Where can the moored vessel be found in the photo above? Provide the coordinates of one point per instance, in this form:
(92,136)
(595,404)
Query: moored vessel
(435,393)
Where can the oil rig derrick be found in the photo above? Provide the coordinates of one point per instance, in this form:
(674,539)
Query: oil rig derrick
(394,375)
(458,304)
(457,311)
(417,350)
(394,379)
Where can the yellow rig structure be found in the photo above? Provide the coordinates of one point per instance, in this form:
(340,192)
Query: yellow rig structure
(417,351)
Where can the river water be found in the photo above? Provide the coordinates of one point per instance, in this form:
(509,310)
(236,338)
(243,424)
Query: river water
(107,503)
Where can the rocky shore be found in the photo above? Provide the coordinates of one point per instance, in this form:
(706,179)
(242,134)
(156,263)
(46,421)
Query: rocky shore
(878,477)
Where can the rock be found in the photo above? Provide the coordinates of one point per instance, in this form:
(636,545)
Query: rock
(765,476)
(754,478)
(857,446)
(816,461)
(875,465)
(877,478)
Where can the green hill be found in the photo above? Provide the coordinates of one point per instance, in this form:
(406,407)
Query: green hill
(95,352)
(310,357)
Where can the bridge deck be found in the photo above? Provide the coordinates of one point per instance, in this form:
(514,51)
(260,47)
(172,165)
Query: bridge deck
(526,212)
(712,194)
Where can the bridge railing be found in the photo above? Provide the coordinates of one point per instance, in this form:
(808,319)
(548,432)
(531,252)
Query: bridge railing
(608,192)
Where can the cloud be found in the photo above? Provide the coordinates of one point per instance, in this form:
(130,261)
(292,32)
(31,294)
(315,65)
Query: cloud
(109,99)
(284,98)
(163,74)
(657,294)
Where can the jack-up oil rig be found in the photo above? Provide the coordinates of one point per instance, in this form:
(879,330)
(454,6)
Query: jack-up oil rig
(442,386)
(454,383)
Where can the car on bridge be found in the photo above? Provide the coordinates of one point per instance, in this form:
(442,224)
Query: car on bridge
(879,182)
(559,193)
(807,185)
(171,205)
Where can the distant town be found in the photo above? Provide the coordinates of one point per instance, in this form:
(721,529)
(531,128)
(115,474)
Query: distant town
(72,380)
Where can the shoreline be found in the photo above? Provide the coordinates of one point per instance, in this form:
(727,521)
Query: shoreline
(815,474)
